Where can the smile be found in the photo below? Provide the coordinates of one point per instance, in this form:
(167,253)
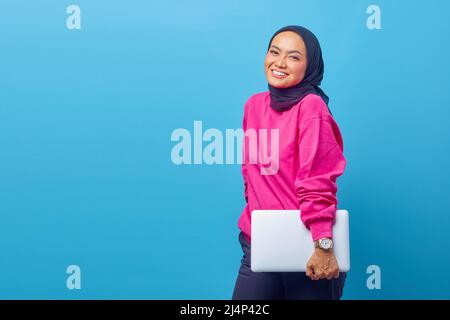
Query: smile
(279,74)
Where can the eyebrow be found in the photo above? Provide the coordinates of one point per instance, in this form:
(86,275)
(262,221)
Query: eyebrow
(292,51)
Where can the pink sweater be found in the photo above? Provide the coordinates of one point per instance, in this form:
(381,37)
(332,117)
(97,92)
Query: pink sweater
(310,157)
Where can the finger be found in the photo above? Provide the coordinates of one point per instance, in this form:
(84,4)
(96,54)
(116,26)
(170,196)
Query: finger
(337,274)
(310,271)
(313,274)
(329,276)
(320,275)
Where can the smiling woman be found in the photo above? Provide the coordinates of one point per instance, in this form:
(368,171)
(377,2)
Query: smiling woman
(310,160)
(285,67)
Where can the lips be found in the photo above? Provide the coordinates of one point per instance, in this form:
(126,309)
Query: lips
(278,74)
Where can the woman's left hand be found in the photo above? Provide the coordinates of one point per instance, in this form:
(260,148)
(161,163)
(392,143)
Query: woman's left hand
(322,265)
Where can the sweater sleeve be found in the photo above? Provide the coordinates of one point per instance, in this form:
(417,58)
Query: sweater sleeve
(321,162)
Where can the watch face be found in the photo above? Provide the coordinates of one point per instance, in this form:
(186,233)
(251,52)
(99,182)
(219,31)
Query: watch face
(325,243)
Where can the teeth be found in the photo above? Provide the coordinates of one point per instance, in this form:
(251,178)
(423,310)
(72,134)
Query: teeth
(278,73)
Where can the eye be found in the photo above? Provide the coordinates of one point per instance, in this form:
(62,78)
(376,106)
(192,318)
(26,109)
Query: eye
(295,58)
(273,51)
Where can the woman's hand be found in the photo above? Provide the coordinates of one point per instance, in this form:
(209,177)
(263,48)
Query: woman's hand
(322,265)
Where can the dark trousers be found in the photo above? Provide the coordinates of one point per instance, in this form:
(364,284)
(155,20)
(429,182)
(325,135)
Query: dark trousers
(282,285)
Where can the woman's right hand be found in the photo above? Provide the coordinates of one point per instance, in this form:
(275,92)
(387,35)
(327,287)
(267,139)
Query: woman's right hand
(322,265)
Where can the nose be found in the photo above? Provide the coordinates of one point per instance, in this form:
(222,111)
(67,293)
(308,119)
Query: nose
(280,63)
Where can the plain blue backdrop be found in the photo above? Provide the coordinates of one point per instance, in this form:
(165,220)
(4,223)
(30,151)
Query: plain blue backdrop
(86,117)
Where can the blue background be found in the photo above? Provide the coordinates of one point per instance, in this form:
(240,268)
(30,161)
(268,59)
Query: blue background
(86,118)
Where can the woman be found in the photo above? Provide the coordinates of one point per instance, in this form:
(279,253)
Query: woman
(311,158)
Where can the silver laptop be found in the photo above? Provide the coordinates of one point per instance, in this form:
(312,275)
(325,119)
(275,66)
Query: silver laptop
(280,242)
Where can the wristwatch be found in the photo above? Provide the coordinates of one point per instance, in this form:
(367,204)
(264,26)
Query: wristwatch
(324,243)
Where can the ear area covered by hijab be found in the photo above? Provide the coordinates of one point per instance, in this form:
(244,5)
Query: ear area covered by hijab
(282,99)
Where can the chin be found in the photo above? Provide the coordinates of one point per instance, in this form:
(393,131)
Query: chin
(278,84)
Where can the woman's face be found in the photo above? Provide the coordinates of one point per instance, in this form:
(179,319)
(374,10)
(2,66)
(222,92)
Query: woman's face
(285,62)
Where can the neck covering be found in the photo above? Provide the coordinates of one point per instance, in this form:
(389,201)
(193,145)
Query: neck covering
(282,99)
